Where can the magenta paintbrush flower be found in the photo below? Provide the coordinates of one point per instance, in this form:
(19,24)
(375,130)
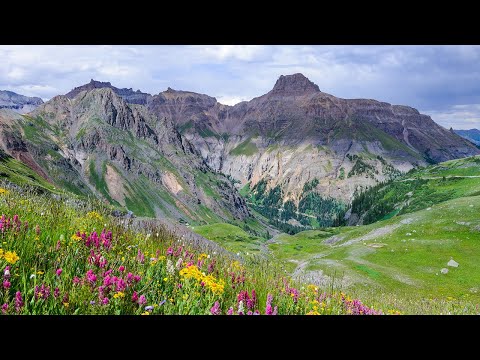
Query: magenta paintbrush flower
(6,284)
(121,268)
(56,293)
(59,272)
(215,310)
(91,277)
(4,308)
(142,300)
(134,297)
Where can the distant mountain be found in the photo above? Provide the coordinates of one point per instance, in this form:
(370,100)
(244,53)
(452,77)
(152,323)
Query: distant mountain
(98,144)
(299,147)
(18,103)
(472,135)
(296,133)
(130,96)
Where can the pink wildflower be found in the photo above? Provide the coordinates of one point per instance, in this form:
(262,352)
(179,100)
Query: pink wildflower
(4,308)
(142,300)
(59,272)
(6,284)
(215,310)
(121,268)
(91,276)
(134,297)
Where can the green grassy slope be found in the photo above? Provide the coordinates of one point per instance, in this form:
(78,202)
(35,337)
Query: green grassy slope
(401,257)
(231,237)
(420,189)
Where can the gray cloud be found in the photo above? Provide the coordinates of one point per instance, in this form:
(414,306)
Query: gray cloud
(434,79)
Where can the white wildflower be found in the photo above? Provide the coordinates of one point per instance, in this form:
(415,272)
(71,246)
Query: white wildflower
(32,276)
(170,268)
(240,307)
(179,263)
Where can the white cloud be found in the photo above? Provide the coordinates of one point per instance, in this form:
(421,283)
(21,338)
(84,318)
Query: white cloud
(238,52)
(465,116)
(230,100)
(424,77)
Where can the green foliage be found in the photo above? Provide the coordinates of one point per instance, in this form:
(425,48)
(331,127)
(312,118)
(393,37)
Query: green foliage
(183,128)
(310,185)
(247,148)
(360,167)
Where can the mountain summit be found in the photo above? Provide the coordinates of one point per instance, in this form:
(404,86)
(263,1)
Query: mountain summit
(296,84)
(130,96)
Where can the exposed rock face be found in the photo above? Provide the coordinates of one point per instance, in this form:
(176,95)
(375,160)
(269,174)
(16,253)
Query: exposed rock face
(130,96)
(295,133)
(97,143)
(18,103)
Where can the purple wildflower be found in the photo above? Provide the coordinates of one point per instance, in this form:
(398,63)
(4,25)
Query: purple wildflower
(215,310)
(6,284)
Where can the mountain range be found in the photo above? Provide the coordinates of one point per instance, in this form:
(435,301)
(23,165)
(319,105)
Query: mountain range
(472,135)
(18,103)
(298,155)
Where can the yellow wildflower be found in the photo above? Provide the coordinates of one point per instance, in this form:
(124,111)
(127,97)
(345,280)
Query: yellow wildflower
(40,272)
(118,295)
(202,256)
(1,253)
(236,266)
(208,280)
(11,257)
(165,279)
(161,258)
(313,312)
(76,237)
(94,215)
(185,297)
(66,304)
(4,191)
(146,313)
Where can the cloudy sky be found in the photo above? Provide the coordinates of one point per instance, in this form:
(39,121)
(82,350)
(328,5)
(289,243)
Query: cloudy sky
(442,81)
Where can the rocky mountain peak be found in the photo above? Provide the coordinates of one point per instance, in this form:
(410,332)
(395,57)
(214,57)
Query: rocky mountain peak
(296,84)
(130,96)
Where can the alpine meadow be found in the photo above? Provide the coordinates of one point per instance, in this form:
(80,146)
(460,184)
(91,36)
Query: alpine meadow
(115,201)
